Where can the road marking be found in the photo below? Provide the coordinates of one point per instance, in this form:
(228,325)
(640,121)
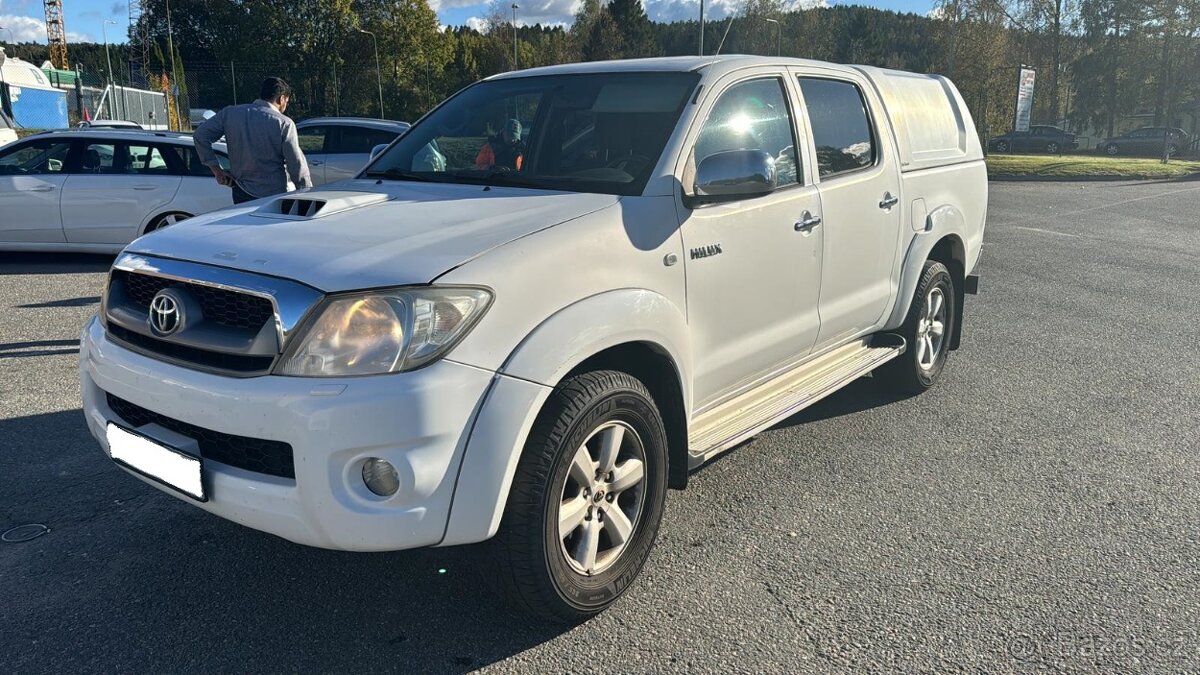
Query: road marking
(1038,229)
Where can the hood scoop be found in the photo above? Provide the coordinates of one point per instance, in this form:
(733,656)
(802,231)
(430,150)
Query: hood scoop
(312,205)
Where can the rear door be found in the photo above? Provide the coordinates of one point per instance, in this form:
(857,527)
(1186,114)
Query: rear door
(32,175)
(860,199)
(349,149)
(119,186)
(313,141)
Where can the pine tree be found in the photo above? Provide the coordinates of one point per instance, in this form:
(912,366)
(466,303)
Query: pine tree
(637,35)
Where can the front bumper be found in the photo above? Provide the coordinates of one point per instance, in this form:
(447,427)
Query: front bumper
(419,421)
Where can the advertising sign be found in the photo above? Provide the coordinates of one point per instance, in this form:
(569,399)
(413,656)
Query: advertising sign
(1025,81)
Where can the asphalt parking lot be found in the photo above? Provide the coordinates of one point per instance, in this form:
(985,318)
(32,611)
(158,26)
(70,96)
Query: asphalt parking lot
(1038,510)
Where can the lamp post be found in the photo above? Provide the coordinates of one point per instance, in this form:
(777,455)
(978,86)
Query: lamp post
(778,36)
(515,7)
(11,40)
(108,60)
(378,72)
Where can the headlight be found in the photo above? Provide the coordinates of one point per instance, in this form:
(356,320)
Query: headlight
(383,331)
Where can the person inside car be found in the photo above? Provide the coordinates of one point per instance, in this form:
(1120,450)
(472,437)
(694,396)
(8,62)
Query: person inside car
(504,151)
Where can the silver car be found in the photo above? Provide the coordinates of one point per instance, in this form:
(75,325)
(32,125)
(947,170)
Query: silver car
(339,147)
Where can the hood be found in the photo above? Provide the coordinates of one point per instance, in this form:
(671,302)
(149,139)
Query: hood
(364,235)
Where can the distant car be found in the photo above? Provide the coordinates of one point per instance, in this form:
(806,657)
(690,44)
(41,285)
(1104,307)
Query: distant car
(108,124)
(1039,138)
(197,116)
(338,148)
(8,132)
(1146,141)
(97,190)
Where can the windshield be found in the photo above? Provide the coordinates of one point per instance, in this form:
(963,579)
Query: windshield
(600,132)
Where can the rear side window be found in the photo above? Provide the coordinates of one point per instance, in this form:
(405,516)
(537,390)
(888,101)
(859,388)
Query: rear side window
(840,127)
(358,140)
(37,157)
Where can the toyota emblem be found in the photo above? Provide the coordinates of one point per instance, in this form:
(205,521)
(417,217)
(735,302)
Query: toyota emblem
(166,313)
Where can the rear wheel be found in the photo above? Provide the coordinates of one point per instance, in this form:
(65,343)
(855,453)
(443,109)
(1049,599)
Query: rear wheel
(166,220)
(1052,148)
(586,499)
(1001,146)
(1112,149)
(927,329)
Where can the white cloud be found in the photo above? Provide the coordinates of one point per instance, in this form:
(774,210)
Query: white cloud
(24,29)
(477,24)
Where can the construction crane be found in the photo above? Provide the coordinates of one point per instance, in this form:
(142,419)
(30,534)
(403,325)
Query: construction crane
(56,34)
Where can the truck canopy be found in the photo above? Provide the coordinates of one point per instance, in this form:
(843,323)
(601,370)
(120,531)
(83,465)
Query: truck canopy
(932,124)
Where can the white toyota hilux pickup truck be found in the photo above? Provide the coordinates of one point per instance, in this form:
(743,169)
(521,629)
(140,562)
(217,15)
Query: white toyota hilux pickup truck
(539,309)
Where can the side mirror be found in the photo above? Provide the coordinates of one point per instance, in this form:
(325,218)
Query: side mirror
(378,149)
(733,175)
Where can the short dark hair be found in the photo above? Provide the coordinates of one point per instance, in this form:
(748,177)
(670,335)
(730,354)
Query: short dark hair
(273,89)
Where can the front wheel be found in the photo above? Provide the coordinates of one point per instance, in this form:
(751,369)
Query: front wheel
(1112,149)
(1052,148)
(927,329)
(1001,146)
(586,499)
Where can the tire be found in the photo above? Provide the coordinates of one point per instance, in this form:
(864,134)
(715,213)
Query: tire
(166,220)
(1052,148)
(551,574)
(1112,149)
(918,368)
(1001,146)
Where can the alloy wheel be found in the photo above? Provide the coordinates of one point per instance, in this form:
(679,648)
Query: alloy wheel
(931,329)
(602,498)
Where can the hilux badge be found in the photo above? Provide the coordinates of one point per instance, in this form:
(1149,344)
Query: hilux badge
(706,251)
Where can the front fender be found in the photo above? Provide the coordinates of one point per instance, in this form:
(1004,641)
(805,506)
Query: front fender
(525,381)
(944,221)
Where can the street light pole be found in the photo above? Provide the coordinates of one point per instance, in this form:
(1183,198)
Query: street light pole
(378,72)
(515,7)
(108,60)
(701,53)
(11,40)
(778,36)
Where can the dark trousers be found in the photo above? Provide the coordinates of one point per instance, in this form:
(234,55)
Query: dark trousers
(241,196)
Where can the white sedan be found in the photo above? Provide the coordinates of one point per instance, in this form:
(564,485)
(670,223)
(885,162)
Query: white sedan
(97,190)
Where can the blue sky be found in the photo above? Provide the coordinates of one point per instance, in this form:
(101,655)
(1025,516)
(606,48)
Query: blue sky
(85,18)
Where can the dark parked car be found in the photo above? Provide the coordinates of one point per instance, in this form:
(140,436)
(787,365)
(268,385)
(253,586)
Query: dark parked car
(1039,138)
(1146,141)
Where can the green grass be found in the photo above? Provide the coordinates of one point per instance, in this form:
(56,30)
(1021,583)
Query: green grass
(1082,166)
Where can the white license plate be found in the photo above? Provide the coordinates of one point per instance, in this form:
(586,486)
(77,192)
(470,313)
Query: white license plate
(155,460)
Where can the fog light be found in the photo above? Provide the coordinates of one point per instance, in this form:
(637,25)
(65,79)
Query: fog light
(380,477)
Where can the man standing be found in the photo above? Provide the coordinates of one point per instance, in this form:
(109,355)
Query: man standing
(264,150)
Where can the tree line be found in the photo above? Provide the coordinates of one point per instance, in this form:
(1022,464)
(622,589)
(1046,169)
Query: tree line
(1097,60)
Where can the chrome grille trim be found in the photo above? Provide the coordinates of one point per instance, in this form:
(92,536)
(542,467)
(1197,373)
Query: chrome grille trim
(290,300)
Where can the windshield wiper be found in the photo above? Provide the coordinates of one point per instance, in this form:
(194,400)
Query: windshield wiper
(504,177)
(400,174)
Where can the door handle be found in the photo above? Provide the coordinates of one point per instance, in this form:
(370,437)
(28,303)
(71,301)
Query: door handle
(315,162)
(144,187)
(888,201)
(43,188)
(807,222)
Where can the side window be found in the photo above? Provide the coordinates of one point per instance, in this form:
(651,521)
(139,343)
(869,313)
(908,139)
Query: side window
(98,158)
(38,157)
(312,140)
(752,116)
(144,159)
(189,161)
(840,127)
(358,140)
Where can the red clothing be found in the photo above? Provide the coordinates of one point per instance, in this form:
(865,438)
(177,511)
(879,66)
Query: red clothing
(486,158)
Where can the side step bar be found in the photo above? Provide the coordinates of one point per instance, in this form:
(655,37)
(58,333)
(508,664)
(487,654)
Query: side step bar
(737,420)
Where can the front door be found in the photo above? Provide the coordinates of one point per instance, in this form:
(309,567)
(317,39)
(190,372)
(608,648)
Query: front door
(860,196)
(31,181)
(753,275)
(115,189)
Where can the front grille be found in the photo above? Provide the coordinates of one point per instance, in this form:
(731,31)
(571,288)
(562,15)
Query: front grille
(273,458)
(235,364)
(221,306)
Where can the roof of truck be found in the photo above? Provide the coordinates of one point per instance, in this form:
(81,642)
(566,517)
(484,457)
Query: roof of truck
(678,64)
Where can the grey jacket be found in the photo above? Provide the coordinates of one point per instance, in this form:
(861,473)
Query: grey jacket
(264,150)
